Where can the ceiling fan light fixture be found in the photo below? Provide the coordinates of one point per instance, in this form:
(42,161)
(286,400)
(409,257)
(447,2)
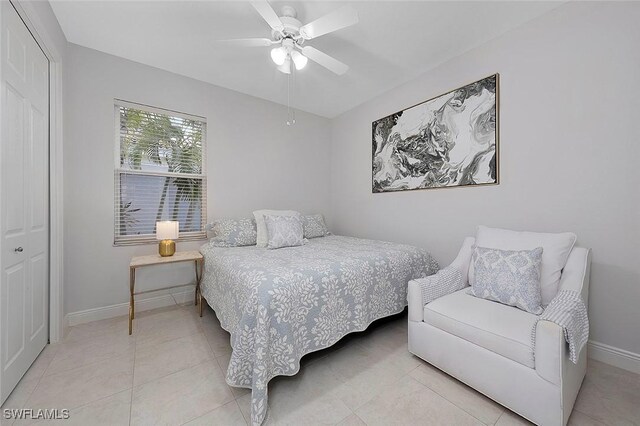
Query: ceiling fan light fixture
(278,56)
(299,60)
(285,67)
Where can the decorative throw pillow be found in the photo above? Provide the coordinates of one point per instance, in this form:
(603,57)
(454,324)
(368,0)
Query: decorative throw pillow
(284,231)
(233,232)
(511,277)
(261,227)
(314,226)
(556,248)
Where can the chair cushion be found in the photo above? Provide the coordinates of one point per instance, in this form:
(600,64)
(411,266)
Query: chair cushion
(499,328)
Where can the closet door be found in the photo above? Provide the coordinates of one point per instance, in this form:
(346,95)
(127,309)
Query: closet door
(24,199)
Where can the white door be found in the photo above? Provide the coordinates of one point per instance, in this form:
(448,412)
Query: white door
(24,199)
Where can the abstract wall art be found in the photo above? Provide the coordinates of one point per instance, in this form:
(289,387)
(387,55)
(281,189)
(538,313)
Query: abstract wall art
(450,140)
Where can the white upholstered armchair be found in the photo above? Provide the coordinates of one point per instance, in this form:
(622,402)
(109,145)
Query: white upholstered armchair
(488,346)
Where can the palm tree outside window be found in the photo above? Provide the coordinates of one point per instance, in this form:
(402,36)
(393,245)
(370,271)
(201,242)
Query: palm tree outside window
(160,173)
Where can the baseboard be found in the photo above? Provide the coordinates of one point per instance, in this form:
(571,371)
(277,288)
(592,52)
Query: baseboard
(112,311)
(65,326)
(614,356)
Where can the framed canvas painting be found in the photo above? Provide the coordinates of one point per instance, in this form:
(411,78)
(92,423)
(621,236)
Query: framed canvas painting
(448,141)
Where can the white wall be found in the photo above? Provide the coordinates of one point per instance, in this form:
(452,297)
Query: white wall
(569,149)
(254,160)
(42,17)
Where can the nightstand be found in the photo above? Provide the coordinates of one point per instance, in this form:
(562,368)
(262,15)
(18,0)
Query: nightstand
(155,259)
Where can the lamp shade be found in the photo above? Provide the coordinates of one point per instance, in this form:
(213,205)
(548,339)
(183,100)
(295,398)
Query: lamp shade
(167,230)
(286,66)
(299,59)
(278,55)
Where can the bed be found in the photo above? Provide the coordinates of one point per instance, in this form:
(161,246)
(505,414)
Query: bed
(279,305)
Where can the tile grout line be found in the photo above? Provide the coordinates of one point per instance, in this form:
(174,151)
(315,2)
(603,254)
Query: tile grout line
(39,378)
(200,331)
(585,414)
(353,411)
(222,370)
(93,363)
(454,404)
(499,417)
(133,375)
(360,418)
(241,413)
(71,408)
(213,409)
(213,358)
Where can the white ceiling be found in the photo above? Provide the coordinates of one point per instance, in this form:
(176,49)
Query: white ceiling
(393,43)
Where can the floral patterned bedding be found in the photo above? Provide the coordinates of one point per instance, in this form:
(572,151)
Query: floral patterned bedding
(279,305)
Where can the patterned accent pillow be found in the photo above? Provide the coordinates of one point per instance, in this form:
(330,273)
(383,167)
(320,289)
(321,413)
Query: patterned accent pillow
(261,239)
(314,226)
(511,277)
(284,231)
(233,232)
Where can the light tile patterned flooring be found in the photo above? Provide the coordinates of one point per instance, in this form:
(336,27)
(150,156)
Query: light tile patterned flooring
(171,371)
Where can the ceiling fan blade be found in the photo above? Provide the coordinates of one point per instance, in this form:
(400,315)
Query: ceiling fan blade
(268,14)
(338,19)
(325,60)
(247,42)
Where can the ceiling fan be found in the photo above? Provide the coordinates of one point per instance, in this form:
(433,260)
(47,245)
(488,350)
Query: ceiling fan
(289,36)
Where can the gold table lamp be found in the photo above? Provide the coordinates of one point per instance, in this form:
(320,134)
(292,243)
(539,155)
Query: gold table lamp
(166,232)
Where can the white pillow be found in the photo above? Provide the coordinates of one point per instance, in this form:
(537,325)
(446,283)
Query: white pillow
(261,228)
(555,252)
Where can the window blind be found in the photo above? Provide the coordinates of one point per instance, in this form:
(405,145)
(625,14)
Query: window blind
(159,173)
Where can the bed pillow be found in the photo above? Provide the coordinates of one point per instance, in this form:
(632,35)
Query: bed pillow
(314,226)
(511,277)
(556,249)
(284,231)
(261,227)
(233,232)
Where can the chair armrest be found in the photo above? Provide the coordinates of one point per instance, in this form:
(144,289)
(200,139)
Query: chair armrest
(576,273)
(414,299)
(414,291)
(551,349)
(463,259)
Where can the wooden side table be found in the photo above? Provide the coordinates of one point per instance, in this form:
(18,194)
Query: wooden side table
(156,259)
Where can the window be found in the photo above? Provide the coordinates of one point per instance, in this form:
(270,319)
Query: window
(159,172)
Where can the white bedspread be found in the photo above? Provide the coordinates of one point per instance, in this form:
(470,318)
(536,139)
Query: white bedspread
(279,305)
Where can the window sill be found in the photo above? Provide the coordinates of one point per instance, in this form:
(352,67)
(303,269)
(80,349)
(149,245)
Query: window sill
(148,240)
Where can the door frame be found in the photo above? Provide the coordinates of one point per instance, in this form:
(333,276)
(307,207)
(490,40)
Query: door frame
(43,37)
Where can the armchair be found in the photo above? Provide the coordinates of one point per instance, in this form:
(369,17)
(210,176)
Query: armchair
(487,345)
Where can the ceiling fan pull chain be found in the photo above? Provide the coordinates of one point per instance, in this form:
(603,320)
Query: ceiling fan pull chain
(291,113)
(294,71)
(289,99)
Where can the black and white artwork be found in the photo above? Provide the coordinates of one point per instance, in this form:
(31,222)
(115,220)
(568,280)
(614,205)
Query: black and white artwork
(450,140)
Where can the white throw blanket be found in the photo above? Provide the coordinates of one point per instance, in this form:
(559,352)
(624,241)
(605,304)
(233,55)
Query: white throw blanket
(446,281)
(569,312)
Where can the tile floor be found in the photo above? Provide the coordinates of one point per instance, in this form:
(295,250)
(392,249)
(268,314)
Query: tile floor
(171,372)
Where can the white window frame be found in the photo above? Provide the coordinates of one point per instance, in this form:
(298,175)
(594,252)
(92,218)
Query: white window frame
(128,240)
